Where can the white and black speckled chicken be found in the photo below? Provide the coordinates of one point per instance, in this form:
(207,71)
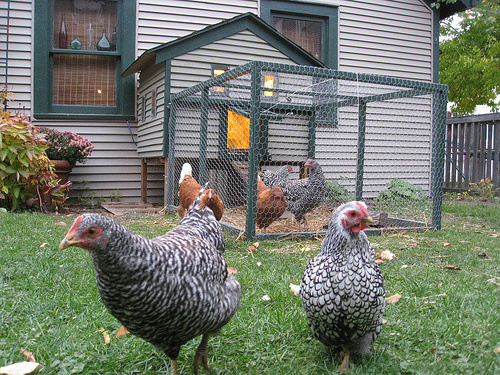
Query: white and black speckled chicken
(277,178)
(305,194)
(166,290)
(342,290)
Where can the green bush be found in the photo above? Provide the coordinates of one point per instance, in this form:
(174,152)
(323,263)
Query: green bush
(399,190)
(336,193)
(26,174)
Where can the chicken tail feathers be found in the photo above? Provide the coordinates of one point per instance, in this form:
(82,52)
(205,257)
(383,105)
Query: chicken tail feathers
(186,170)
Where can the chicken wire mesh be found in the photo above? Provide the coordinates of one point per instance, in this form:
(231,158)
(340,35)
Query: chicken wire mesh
(284,145)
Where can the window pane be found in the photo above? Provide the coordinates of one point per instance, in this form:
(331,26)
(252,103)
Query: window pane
(306,33)
(85,20)
(238,131)
(84,80)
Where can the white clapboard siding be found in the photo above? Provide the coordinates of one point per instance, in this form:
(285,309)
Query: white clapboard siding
(162,21)
(113,169)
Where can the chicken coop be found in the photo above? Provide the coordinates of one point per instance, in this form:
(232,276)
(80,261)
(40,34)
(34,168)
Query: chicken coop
(375,138)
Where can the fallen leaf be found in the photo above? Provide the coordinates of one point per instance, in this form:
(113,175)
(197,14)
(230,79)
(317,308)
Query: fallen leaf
(493,281)
(387,255)
(29,356)
(404,266)
(497,350)
(450,268)
(378,261)
(295,289)
(494,235)
(393,299)
(122,331)
(447,244)
(266,298)
(232,270)
(61,224)
(43,245)
(256,244)
(384,321)
(433,350)
(306,249)
(483,255)
(20,368)
(259,264)
(252,248)
(107,339)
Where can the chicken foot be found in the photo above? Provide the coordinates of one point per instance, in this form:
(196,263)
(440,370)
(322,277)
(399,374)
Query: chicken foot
(345,355)
(201,356)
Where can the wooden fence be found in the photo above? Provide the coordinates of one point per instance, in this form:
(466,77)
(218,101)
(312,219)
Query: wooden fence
(472,151)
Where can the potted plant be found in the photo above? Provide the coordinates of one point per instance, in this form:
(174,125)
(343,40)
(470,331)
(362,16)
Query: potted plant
(66,149)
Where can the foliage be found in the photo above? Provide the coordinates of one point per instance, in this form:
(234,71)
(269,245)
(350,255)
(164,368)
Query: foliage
(398,190)
(436,4)
(335,192)
(67,146)
(26,174)
(470,57)
(446,321)
(483,190)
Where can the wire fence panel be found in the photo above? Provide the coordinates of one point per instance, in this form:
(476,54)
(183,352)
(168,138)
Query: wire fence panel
(283,145)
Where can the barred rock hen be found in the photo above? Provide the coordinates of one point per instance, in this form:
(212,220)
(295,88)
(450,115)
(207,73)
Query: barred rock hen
(270,204)
(188,191)
(307,193)
(277,178)
(166,290)
(342,290)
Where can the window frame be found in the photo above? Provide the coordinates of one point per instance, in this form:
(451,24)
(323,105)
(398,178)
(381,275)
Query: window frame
(44,50)
(325,13)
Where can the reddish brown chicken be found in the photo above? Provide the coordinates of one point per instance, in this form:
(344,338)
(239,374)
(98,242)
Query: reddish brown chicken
(188,191)
(270,204)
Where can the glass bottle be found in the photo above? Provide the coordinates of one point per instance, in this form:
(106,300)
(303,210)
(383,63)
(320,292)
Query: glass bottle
(63,35)
(113,40)
(76,44)
(90,38)
(103,44)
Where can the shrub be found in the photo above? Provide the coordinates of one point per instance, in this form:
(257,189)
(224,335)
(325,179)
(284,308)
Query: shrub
(26,173)
(336,193)
(398,190)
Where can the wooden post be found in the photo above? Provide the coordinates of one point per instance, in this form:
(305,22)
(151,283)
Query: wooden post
(144,180)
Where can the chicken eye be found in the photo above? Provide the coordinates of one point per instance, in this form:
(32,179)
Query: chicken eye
(353,213)
(92,231)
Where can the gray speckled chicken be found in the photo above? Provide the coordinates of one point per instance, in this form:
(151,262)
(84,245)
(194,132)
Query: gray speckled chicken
(342,290)
(166,290)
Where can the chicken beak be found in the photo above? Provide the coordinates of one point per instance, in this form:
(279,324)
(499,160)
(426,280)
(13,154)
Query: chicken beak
(367,220)
(67,242)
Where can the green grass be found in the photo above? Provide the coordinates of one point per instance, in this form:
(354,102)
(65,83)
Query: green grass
(446,322)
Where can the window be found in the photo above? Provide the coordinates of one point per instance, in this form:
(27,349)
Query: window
(311,26)
(79,58)
(154,103)
(217,70)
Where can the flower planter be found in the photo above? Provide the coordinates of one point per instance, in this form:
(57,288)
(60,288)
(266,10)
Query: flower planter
(62,169)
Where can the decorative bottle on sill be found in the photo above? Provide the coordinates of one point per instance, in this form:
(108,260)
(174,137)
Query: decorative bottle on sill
(76,44)
(113,40)
(90,38)
(63,35)
(103,44)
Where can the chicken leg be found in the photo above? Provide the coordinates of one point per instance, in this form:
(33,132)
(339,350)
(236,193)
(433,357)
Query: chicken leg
(345,355)
(201,356)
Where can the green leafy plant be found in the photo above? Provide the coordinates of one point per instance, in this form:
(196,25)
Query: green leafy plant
(484,190)
(398,190)
(26,174)
(66,146)
(335,192)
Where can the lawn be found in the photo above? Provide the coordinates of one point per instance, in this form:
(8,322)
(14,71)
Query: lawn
(446,322)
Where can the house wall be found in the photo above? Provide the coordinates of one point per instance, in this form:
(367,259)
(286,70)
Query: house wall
(391,38)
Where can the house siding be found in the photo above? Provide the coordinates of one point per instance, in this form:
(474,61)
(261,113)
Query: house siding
(392,38)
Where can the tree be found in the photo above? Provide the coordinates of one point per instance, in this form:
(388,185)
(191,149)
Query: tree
(470,57)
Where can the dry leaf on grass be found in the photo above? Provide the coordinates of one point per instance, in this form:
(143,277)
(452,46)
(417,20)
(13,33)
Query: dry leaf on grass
(122,331)
(393,299)
(256,244)
(266,298)
(61,224)
(232,270)
(497,350)
(20,368)
(43,245)
(386,255)
(450,268)
(447,244)
(379,261)
(29,356)
(107,339)
(295,289)
(252,248)
(494,235)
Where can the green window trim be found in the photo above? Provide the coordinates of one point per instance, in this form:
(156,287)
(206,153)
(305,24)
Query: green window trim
(43,67)
(328,14)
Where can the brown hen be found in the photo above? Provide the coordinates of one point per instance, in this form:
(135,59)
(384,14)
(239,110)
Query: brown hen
(270,204)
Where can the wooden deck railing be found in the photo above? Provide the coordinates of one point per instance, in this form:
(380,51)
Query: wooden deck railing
(472,151)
